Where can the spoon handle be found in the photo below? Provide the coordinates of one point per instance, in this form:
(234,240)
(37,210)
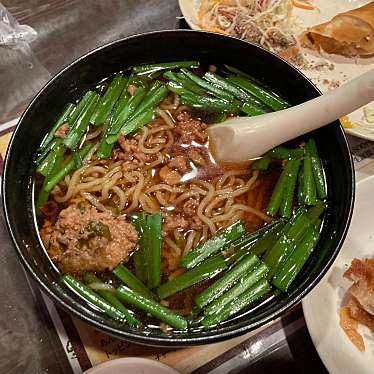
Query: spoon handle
(232,137)
(328,107)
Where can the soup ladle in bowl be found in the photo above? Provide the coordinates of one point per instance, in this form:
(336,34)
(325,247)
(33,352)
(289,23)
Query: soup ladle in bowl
(245,138)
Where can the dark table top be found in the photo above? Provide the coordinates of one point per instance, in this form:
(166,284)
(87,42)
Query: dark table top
(66,30)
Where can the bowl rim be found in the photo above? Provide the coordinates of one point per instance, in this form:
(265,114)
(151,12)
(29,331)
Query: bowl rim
(174,341)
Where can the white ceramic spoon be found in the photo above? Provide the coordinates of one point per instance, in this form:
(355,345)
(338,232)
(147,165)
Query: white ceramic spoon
(244,138)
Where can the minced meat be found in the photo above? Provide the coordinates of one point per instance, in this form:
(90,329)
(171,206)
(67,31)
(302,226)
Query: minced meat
(131,89)
(190,207)
(84,239)
(179,163)
(172,222)
(131,150)
(189,129)
(62,130)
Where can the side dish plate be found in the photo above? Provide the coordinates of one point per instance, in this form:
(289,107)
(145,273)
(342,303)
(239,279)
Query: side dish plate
(321,306)
(325,70)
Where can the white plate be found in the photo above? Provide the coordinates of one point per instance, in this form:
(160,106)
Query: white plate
(321,306)
(131,365)
(344,68)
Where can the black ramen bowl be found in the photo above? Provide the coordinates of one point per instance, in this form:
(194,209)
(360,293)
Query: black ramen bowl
(164,46)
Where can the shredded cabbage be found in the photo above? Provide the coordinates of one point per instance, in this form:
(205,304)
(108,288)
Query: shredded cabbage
(268,23)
